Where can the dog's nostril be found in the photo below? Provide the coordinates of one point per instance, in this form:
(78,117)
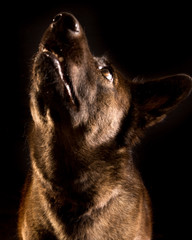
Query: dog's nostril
(71,23)
(57,17)
(66,21)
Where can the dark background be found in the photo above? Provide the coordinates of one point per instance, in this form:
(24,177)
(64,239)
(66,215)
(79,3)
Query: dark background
(148,40)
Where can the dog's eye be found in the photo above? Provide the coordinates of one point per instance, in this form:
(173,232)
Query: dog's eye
(107,73)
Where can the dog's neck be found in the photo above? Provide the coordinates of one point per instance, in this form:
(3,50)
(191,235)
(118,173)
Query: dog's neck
(60,165)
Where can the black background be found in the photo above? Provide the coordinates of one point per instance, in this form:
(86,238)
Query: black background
(145,39)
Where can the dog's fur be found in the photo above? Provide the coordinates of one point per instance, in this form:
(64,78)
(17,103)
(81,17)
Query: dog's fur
(87,117)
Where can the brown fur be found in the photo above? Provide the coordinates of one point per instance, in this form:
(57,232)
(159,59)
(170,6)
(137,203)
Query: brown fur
(83,184)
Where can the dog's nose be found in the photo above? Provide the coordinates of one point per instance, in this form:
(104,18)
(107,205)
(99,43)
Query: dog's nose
(66,21)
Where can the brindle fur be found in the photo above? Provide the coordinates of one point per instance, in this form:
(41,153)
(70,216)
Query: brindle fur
(83,184)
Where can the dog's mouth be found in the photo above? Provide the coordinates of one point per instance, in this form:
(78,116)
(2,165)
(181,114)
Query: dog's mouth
(63,78)
(58,43)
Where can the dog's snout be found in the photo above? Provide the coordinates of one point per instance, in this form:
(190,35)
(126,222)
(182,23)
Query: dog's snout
(66,21)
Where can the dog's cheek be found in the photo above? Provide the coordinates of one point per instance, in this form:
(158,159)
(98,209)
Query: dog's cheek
(104,123)
(37,110)
(84,80)
(40,111)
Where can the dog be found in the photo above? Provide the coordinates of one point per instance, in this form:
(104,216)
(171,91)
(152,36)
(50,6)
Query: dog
(86,119)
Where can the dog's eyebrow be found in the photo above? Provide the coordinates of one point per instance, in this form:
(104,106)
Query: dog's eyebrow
(102,61)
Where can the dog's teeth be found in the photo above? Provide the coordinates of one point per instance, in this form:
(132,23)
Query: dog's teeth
(56,55)
(61,59)
(45,50)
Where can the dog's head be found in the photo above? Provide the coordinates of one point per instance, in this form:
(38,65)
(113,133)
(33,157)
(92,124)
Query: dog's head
(77,92)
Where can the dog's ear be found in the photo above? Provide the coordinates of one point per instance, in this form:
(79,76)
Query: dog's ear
(154,99)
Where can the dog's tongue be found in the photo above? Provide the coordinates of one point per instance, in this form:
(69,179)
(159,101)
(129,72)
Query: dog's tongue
(57,66)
